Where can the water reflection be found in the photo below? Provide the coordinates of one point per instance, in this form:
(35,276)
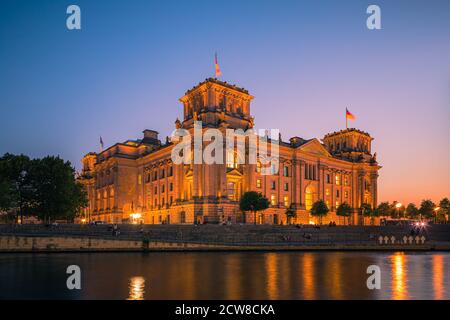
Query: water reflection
(234,275)
(399,276)
(136,288)
(438,276)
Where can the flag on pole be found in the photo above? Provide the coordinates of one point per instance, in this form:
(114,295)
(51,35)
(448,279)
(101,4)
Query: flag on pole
(348,115)
(216,63)
(101,143)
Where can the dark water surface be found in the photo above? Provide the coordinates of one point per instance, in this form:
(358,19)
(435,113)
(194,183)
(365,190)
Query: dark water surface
(218,275)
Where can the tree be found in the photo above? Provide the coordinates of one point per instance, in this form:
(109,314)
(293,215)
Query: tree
(427,208)
(344,210)
(58,195)
(412,211)
(444,206)
(319,209)
(384,209)
(253,201)
(367,211)
(290,213)
(16,191)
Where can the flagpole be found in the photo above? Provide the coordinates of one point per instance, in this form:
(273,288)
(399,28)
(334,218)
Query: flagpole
(346,119)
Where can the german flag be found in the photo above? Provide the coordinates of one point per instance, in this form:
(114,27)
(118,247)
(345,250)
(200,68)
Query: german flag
(216,62)
(349,115)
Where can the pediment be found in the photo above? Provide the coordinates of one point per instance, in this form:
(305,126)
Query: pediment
(314,146)
(234,172)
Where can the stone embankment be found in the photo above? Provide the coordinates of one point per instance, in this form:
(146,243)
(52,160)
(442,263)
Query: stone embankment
(40,238)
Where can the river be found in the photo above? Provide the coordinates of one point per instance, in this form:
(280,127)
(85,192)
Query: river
(218,275)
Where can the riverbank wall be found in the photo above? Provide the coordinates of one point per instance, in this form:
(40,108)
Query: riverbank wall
(79,238)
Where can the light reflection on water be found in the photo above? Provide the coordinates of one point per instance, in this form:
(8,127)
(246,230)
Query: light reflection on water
(136,288)
(237,275)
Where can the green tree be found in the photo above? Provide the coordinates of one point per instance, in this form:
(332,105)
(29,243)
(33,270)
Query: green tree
(367,211)
(253,201)
(16,190)
(444,206)
(319,209)
(290,214)
(344,210)
(427,208)
(384,209)
(412,211)
(58,195)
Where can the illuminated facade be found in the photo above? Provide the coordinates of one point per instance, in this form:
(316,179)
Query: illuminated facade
(137,180)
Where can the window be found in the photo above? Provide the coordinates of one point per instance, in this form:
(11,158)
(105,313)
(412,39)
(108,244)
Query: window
(337,193)
(156,190)
(258,166)
(307,171)
(171,186)
(327,192)
(231,186)
(346,194)
(162,188)
(273,168)
(286,171)
(345,180)
(273,200)
(258,183)
(162,201)
(286,186)
(139,179)
(309,198)
(286,201)
(148,177)
(337,203)
(171,199)
(170,173)
(155,175)
(338,179)
(328,178)
(156,202)
(274,185)
(231,159)
(162,174)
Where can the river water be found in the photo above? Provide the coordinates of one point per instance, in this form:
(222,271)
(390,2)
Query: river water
(219,275)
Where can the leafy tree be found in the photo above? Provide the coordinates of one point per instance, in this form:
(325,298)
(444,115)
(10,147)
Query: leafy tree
(384,209)
(253,201)
(290,214)
(16,191)
(427,208)
(344,210)
(319,209)
(367,211)
(444,206)
(412,211)
(58,195)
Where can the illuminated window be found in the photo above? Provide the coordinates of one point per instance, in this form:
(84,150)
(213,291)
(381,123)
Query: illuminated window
(286,201)
(338,179)
(231,188)
(327,192)
(346,194)
(308,198)
(258,166)
(327,203)
(258,183)
(273,200)
(231,159)
(337,204)
(345,180)
(139,179)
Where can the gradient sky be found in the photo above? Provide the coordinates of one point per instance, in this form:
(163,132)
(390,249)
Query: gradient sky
(304,61)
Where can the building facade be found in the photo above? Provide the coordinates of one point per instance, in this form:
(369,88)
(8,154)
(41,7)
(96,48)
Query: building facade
(137,180)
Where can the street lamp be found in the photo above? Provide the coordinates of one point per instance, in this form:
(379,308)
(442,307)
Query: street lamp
(398,205)
(435,213)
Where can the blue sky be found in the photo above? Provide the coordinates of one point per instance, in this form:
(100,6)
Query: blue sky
(304,61)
